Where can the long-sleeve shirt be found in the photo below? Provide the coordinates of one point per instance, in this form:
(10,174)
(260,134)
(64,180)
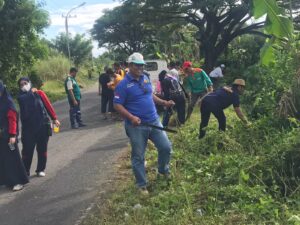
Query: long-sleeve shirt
(47,104)
(12,122)
(198,81)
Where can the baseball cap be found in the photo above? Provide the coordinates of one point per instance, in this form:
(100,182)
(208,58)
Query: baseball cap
(136,58)
(239,82)
(222,66)
(186,64)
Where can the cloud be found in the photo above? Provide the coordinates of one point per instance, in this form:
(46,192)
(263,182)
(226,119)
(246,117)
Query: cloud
(81,21)
(84,16)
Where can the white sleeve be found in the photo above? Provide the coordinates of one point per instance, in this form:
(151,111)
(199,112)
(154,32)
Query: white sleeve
(69,85)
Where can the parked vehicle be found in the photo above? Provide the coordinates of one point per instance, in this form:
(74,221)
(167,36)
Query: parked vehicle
(154,67)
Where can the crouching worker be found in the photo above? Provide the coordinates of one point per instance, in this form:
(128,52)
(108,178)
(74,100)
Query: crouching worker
(134,100)
(12,171)
(219,100)
(36,126)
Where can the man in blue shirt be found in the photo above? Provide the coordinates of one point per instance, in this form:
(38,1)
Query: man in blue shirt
(219,100)
(134,100)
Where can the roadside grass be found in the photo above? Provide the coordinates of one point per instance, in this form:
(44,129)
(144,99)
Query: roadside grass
(247,175)
(55,89)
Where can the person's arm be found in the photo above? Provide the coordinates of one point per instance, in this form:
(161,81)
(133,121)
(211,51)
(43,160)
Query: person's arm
(49,107)
(240,114)
(208,81)
(162,102)
(126,114)
(12,125)
(71,93)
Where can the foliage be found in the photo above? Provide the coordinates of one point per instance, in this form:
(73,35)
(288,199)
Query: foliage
(20,22)
(53,68)
(123,27)
(243,176)
(80,48)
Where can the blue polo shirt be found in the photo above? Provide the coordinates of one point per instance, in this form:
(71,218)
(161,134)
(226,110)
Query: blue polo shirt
(136,96)
(223,99)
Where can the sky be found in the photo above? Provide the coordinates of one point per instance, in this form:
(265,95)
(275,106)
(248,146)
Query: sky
(82,19)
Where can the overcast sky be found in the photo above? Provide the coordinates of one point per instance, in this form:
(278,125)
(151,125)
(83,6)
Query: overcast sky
(82,19)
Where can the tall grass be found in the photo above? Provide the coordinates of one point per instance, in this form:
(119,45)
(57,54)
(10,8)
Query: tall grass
(54,68)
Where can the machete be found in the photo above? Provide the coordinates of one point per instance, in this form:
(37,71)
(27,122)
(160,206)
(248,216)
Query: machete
(158,127)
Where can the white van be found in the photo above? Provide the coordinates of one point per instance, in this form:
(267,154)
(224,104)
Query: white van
(154,67)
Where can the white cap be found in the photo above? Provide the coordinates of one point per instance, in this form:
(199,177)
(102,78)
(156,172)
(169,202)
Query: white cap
(222,66)
(136,58)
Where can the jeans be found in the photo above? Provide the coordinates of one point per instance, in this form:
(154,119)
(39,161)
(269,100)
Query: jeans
(75,114)
(139,136)
(107,100)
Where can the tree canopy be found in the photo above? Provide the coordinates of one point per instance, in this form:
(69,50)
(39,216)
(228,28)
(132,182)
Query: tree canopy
(80,47)
(21,21)
(123,27)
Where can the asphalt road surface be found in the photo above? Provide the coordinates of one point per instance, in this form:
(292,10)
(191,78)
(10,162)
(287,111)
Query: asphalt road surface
(80,163)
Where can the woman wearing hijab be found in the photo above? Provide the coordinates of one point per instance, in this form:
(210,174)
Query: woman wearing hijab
(35,108)
(12,171)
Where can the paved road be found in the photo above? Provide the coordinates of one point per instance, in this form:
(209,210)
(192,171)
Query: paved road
(80,164)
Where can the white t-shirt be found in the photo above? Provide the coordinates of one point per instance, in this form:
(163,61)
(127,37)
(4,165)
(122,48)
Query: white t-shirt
(217,72)
(69,84)
(174,73)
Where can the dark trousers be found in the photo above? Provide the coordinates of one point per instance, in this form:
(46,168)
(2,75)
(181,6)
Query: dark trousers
(194,99)
(12,170)
(180,109)
(75,114)
(206,109)
(107,100)
(30,140)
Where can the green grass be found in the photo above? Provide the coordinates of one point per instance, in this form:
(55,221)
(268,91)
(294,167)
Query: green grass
(243,176)
(55,88)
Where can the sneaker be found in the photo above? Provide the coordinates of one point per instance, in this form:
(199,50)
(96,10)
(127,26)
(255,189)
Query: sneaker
(18,187)
(143,191)
(74,127)
(82,125)
(41,174)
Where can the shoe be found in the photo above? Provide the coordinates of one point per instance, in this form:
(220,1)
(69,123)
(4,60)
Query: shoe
(74,127)
(202,134)
(18,187)
(166,176)
(143,191)
(82,125)
(41,174)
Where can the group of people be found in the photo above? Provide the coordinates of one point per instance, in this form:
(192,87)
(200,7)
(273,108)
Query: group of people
(126,91)
(35,113)
(135,101)
(37,116)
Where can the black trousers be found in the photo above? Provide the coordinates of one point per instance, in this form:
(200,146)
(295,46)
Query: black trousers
(32,140)
(107,100)
(207,108)
(12,170)
(180,109)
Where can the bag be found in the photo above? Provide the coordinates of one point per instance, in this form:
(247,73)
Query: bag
(175,90)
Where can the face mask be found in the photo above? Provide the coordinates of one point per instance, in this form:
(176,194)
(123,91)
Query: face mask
(26,87)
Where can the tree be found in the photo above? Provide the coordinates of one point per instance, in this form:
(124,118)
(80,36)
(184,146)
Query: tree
(80,48)
(20,23)
(124,28)
(218,21)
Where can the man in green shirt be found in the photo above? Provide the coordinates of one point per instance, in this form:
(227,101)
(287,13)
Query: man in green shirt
(74,96)
(198,83)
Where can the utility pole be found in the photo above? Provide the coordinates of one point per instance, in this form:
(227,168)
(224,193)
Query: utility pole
(67,28)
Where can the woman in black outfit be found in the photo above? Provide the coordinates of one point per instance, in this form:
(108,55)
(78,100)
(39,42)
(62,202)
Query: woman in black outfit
(12,170)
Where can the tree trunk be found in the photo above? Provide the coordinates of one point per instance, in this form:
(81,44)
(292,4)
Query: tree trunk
(210,59)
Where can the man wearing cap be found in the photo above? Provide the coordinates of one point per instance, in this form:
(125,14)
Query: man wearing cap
(197,82)
(216,75)
(219,100)
(74,96)
(134,100)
